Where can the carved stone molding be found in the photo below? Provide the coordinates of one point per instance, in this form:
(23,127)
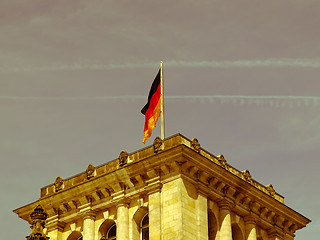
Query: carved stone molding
(254,207)
(247,176)
(195,144)
(292,228)
(278,220)
(157,144)
(143,176)
(55,224)
(90,171)
(89,214)
(38,218)
(123,158)
(263,211)
(238,197)
(58,184)
(225,204)
(270,216)
(230,192)
(249,219)
(273,233)
(271,190)
(123,202)
(222,161)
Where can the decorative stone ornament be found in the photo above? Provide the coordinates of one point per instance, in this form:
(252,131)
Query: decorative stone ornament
(271,190)
(123,158)
(58,184)
(38,218)
(222,161)
(195,144)
(157,143)
(90,171)
(247,176)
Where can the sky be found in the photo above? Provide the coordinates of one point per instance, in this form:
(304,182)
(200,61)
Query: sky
(241,76)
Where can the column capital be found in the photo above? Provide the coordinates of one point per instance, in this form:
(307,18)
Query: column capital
(249,219)
(201,190)
(225,204)
(53,223)
(86,212)
(123,202)
(225,219)
(153,185)
(90,214)
(275,234)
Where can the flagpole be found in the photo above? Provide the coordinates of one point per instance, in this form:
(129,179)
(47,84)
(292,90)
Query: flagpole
(162,102)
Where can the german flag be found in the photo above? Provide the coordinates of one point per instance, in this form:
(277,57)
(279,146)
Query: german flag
(152,109)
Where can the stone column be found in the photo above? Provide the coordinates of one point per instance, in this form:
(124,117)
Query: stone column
(155,215)
(154,196)
(251,231)
(202,207)
(122,221)
(225,220)
(88,225)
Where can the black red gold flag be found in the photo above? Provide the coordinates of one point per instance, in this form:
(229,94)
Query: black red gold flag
(152,109)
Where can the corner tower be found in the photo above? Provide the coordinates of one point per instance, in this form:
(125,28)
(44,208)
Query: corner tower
(171,190)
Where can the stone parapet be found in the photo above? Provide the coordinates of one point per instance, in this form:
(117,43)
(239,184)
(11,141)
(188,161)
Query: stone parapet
(174,184)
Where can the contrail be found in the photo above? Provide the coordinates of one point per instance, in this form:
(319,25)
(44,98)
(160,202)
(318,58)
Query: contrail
(272,62)
(281,62)
(271,101)
(93,98)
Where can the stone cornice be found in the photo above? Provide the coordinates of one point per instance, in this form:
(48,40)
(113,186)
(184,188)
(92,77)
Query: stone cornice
(146,170)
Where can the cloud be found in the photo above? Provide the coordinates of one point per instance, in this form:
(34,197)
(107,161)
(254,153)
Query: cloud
(271,101)
(274,63)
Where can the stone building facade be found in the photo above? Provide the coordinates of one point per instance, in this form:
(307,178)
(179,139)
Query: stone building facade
(171,190)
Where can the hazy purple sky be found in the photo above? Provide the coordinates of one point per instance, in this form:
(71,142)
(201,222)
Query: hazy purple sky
(242,76)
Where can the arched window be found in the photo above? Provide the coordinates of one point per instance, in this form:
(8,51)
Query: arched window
(144,227)
(111,233)
(107,230)
(75,235)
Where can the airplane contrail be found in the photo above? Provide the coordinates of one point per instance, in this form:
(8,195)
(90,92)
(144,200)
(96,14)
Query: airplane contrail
(272,101)
(272,62)
(281,62)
